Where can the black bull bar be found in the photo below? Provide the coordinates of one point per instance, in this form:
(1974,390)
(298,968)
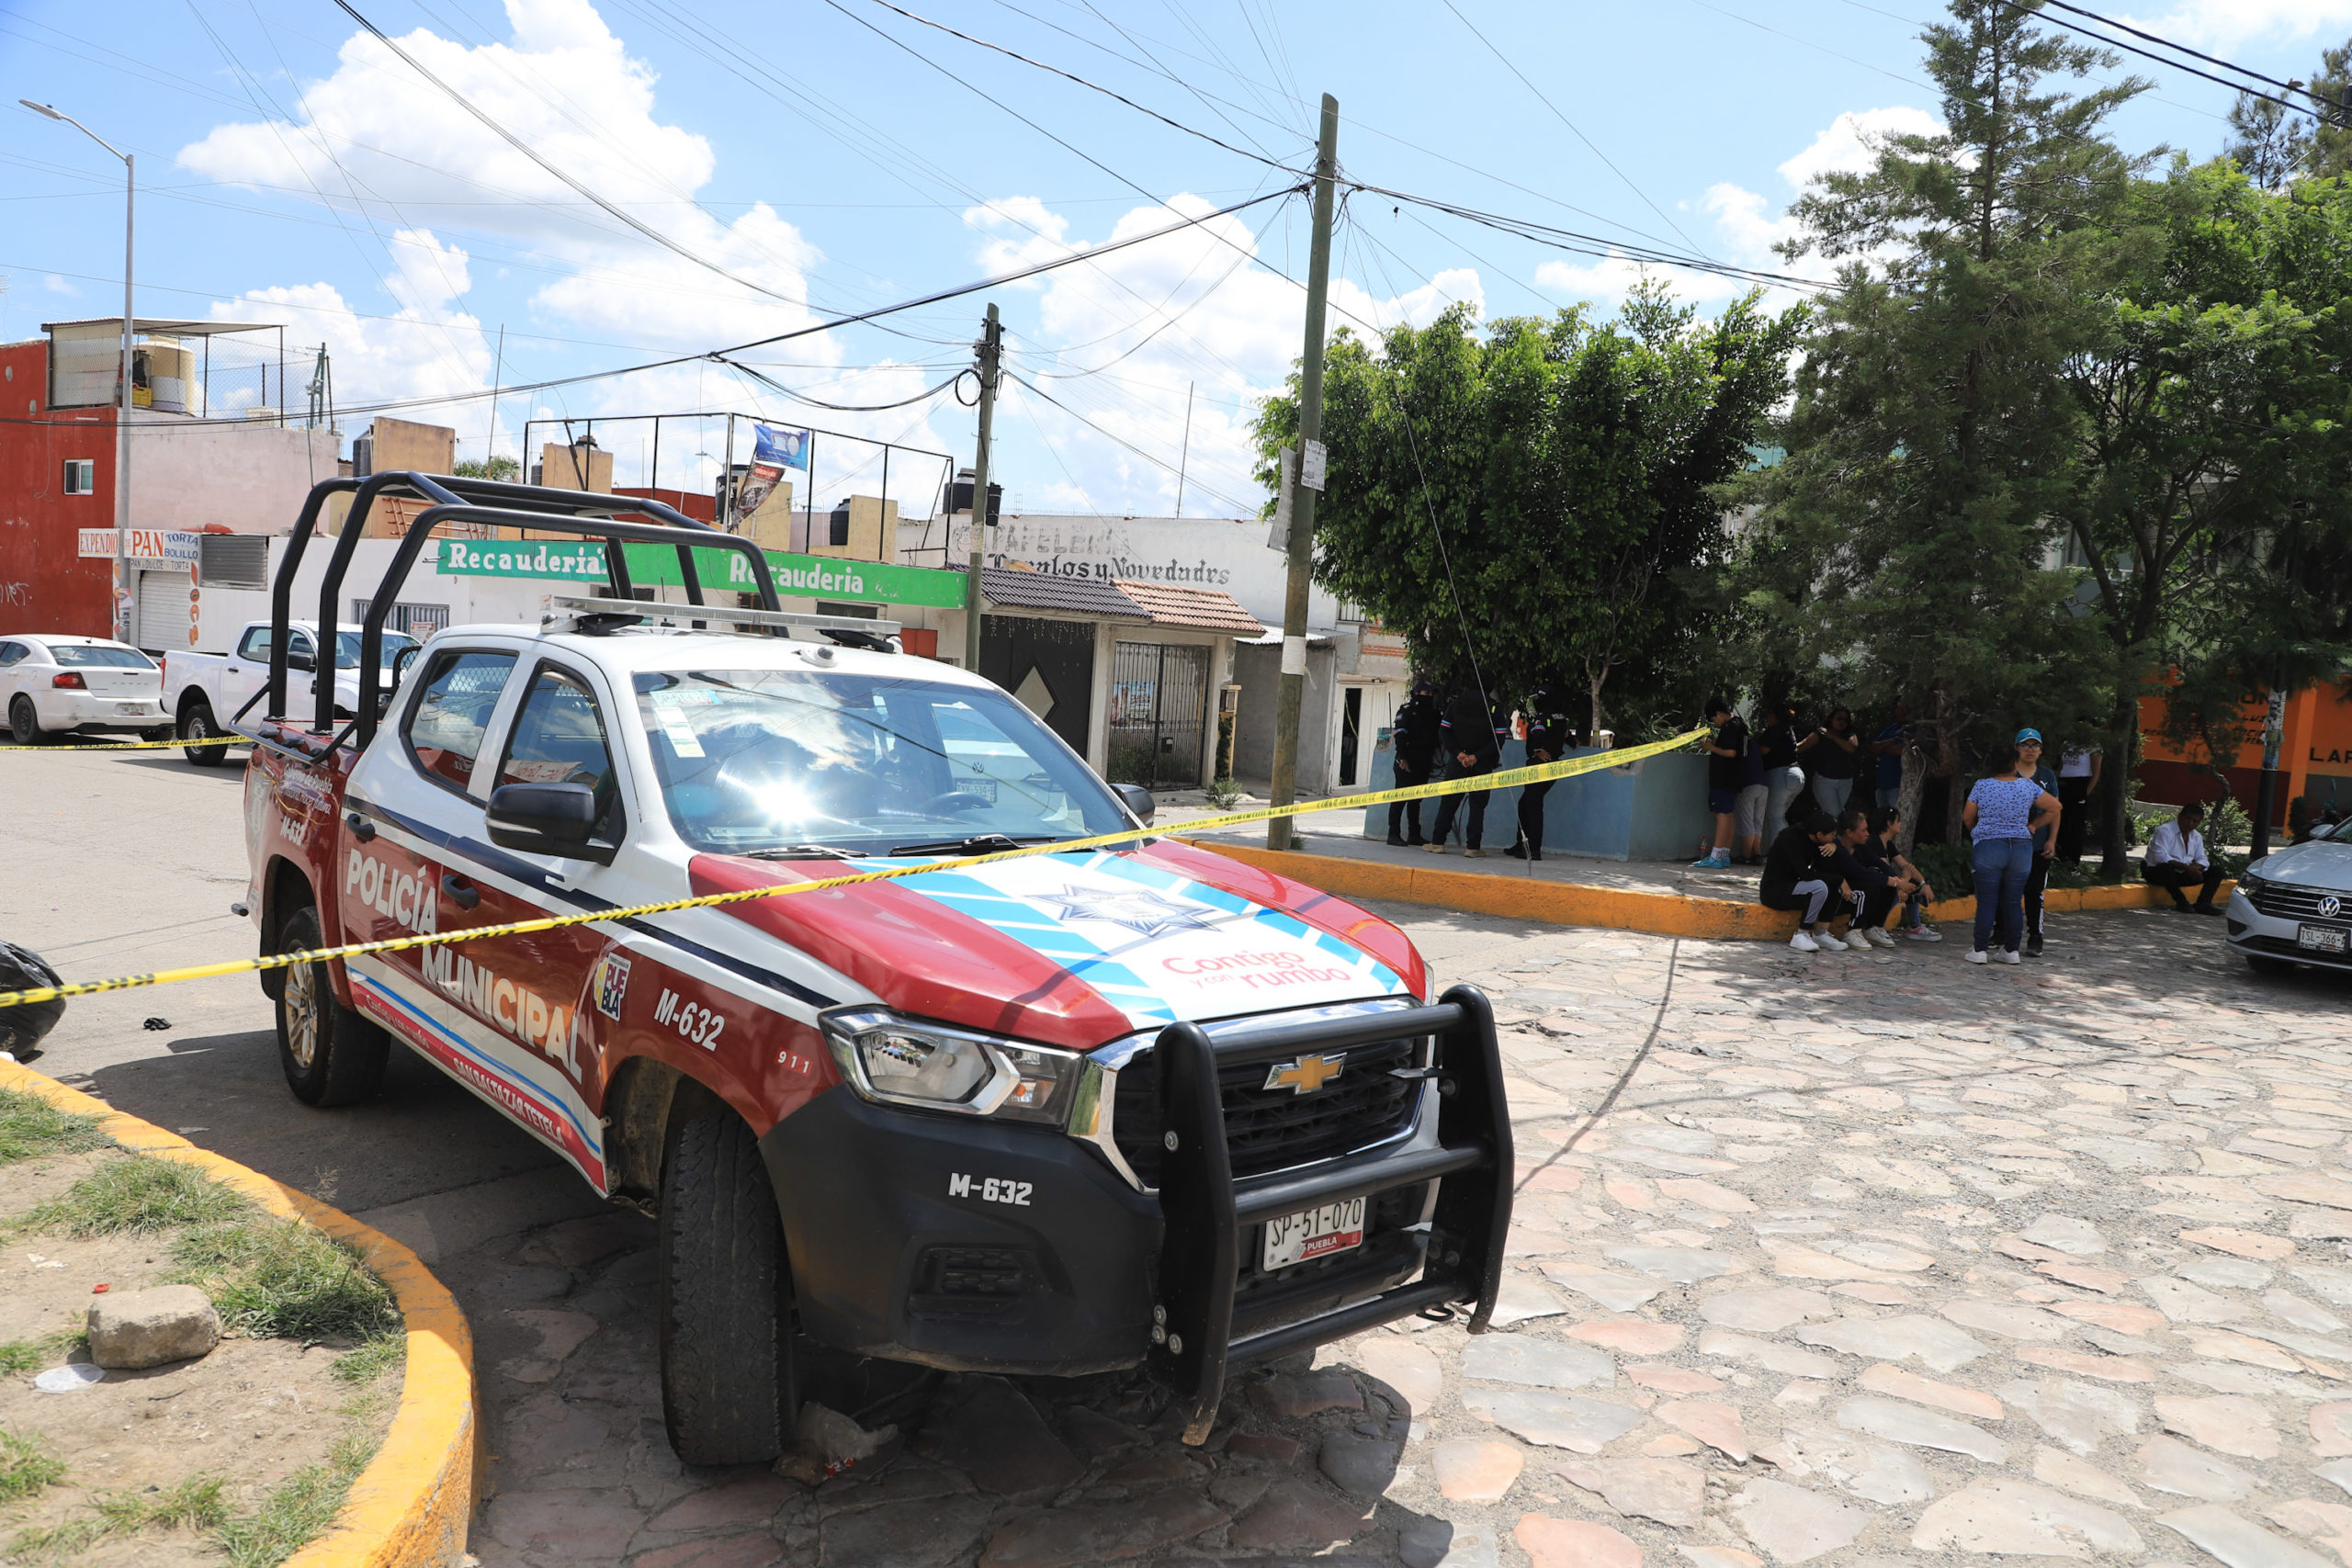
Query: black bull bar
(1205,1212)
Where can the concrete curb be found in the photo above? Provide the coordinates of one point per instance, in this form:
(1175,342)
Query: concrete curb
(1617,908)
(411,1507)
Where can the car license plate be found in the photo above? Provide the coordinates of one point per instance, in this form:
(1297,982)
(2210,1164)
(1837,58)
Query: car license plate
(126,707)
(1313,1233)
(2322,939)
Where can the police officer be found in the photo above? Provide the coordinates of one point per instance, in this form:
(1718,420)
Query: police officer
(1549,736)
(1466,741)
(1413,738)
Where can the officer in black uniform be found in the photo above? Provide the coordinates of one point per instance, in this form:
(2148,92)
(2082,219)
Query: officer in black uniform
(1466,737)
(1549,736)
(1413,738)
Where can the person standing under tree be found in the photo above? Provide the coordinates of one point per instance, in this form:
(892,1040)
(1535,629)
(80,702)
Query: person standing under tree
(1726,751)
(2003,812)
(1783,779)
(1413,746)
(1892,737)
(2045,841)
(1548,740)
(1466,739)
(1829,753)
(2079,773)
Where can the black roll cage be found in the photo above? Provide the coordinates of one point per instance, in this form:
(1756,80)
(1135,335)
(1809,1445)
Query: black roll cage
(453,499)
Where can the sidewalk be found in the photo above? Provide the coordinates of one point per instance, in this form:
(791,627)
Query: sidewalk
(1669,897)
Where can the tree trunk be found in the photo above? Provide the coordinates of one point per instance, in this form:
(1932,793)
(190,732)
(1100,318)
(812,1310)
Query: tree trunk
(1948,756)
(1908,794)
(2115,788)
(1593,683)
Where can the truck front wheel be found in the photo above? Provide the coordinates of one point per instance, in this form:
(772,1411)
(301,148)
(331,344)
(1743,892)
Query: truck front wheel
(728,1384)
(331,1055)
(196,726)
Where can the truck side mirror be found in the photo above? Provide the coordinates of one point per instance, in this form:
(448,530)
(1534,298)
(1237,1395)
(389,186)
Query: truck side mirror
(297,660)
(545,819)
(1139,800)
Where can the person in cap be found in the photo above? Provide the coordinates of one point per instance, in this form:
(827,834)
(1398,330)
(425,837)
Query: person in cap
(1549,737)
(2032,764)
(1413,739)
(2005,811)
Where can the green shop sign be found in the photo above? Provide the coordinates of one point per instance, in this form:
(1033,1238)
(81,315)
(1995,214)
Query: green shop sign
(582,561)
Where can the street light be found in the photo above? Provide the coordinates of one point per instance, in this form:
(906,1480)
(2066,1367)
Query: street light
(126,605)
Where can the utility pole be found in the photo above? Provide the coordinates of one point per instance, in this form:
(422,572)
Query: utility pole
(1310,453)
(990,349)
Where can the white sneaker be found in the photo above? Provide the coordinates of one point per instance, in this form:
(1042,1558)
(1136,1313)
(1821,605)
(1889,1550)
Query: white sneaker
(1879,938)
(2008,955)
(1856,940)
(1977,955)
(1923,934)
(1803,941)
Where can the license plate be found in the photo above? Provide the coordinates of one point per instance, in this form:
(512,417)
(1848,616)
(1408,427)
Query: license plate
(2322,939)
(1313,1233)
(126,707)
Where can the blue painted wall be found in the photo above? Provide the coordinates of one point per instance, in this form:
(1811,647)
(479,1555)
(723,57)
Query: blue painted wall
(1653,810)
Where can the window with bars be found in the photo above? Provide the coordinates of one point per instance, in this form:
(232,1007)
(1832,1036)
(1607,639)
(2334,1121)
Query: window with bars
(419,621)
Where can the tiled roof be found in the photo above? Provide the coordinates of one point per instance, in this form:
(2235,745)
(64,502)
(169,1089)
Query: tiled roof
(1169,606)
(1008,589)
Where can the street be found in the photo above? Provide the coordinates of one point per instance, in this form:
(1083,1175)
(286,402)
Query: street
(1865,1258)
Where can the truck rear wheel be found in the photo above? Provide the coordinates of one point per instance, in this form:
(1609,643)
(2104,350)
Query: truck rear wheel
(197,725)
(728,1392)
(331,1055)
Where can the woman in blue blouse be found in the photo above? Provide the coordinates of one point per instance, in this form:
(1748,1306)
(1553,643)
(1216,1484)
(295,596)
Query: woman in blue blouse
(2002,814)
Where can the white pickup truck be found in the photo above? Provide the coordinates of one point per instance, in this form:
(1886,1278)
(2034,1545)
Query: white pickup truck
(205,692)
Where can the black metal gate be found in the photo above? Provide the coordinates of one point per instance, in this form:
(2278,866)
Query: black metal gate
(1159,695)
(1049,665)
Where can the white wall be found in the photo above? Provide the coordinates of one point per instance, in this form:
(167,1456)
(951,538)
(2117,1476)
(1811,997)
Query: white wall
(249,479)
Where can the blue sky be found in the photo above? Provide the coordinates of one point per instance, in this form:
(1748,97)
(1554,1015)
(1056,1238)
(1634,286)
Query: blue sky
(810,165)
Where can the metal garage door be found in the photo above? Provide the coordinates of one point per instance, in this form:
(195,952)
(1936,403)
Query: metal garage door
(163,618)
(1158,694)
(1049,665)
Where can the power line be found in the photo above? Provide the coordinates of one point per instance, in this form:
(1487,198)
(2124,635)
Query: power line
(2182,48)
(2035,10)
(1120,440)
(1511,65)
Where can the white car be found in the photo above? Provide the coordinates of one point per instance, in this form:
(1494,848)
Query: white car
(2294,906)
(54,685)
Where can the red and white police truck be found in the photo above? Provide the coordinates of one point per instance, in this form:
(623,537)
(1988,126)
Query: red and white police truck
(1065,1113)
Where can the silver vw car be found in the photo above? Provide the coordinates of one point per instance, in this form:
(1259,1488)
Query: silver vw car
(2294,906)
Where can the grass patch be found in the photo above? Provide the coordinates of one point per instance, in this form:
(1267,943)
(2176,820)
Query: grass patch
(26,1468)
(138,1193)
(22,1355)
(298,1510)
(284,1280)
(194,1504)
(371,1361)
(30,1125)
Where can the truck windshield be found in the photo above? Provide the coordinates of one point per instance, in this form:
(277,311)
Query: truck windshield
(346,648)
(770,759)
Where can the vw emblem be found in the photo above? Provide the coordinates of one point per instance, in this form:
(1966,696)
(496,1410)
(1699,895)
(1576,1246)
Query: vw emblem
(2330,906)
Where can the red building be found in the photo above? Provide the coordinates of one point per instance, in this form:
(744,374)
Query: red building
(57,477)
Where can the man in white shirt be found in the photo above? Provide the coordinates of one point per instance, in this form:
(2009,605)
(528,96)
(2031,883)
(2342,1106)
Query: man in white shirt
(2079,773)
(2176,858)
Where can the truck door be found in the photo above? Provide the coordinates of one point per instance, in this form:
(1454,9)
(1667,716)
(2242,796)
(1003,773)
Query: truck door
(502,1015)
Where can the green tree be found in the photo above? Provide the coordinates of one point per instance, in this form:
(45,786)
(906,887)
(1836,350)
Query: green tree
(2277,145)
(497,468)
(1906,539)
(1537,505)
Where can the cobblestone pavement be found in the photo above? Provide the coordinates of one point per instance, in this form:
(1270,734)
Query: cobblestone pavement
(1866,1259)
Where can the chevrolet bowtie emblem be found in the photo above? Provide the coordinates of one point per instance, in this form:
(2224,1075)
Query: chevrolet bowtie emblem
(1305,1076)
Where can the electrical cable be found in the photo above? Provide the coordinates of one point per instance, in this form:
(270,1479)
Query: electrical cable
(800,396)
(1120,440)
(1198,301)
(2035,10)
(1512,66)
(2181,48)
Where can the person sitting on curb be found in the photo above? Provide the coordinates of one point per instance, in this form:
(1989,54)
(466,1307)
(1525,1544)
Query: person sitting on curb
(1868,869)
(1798,875)
(1466,741)
(2176,858)
(1886,826)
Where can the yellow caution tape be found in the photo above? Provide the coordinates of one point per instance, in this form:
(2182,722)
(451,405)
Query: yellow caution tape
(1544,773)
(138,745)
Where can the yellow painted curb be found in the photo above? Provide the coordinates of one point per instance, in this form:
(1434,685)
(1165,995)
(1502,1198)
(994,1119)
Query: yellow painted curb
(1616,909)
(411,1507)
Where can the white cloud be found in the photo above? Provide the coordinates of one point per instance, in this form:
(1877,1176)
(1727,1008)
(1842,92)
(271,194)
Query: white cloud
(1021,232)
(2211,22)
(1852,141)
(376,139)
(57,284)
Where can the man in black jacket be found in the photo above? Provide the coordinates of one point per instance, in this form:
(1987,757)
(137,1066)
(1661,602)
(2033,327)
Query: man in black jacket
(1800,874)
(1466,740)
(1413,742)
(1548,740)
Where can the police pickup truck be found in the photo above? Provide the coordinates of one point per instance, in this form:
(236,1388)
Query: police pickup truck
(1133,1106)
